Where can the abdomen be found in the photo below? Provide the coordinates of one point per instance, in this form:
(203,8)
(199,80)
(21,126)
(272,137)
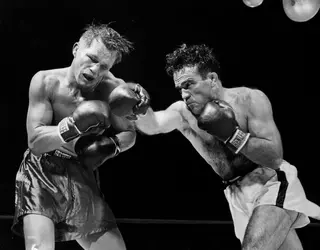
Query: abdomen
(224,162)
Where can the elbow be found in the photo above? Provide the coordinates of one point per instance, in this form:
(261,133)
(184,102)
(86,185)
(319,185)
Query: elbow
(33,146)
(34,149)
(277,157)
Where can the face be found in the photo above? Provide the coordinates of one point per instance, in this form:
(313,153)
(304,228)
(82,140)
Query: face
(91,64)
(195,90)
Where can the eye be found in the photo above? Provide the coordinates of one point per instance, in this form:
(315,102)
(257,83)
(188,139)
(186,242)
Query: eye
(93,59)
(188,85)
(104,67)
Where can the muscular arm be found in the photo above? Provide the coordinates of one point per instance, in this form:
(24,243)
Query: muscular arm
(125,132)
(163,121)
(41,136)
(124,129)
(264,146)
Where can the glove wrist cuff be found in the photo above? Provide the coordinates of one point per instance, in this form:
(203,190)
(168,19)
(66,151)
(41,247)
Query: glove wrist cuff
(237,141)
(67,129)
(115,140)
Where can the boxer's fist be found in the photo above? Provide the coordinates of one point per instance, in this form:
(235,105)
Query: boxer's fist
(90,117)
(144,99)
(94,150)
(218,119)
(130,99)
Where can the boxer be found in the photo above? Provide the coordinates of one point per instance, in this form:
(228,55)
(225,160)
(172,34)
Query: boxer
(72,130)
(234,131)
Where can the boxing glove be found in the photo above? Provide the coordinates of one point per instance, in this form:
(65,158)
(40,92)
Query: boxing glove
(218,119)
(130,99)
(94,150)
(90,117)
(144,99)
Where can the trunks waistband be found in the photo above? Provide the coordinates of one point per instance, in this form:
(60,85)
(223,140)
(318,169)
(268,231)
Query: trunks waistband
(62,155)
(231,181)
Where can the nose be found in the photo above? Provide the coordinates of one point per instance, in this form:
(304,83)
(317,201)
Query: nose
(185,94)
(94,69)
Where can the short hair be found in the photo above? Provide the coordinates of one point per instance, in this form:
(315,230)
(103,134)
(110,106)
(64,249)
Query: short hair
(195,55)
(110,38)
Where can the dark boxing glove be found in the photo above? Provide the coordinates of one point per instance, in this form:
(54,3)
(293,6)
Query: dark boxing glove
(218,119)
(90,117)
(144,99)
(130,99)
(94,150)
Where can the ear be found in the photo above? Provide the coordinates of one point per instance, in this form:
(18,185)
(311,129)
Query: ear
(213,76)
(75,49)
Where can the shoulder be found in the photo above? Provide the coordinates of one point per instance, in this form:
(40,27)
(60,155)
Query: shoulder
(111,81)
(179,106)
(249,96)
(45,81)
(187,118)
(255,102)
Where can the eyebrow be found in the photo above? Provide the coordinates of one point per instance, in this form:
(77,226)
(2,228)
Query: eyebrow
(95,57)
(183,83)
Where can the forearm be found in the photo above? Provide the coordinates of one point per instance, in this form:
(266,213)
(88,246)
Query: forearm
(163,121)
(147,124)
(44,139)
(126,139)
(263,152)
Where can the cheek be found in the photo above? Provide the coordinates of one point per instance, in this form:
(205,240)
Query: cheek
(82,60)
(202,92)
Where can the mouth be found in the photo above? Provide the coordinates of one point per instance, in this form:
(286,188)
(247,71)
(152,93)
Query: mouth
(194,107)
(87,77)
(192,104)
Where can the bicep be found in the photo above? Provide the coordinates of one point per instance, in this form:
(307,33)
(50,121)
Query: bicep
(168,120)
(39,109)
(260,118)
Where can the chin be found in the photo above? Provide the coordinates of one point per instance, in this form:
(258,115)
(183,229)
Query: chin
(88,88)
(195,109)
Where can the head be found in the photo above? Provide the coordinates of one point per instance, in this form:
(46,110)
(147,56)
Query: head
(97,51)
(195,74)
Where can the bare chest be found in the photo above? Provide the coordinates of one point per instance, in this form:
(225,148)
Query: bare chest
(64,101)
(214,152)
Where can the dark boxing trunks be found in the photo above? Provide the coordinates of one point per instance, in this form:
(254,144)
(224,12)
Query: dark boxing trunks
(58,186)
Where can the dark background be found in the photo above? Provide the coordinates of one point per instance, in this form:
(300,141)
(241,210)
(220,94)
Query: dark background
(162,176)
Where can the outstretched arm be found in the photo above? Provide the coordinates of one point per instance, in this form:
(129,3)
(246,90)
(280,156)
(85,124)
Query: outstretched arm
(165,121)
(264,146)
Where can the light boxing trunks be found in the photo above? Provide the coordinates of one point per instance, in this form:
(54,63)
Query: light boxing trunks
(266,186)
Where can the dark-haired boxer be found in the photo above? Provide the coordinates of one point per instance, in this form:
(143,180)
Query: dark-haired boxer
(234,131)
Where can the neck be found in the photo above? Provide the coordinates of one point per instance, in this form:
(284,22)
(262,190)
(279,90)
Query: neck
(71,80)
(219,93)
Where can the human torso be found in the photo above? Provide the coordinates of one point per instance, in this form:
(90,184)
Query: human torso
(64,98)
(224,162)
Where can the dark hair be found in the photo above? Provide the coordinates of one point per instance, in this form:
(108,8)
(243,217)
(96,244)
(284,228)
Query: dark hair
(110,38)
(194,55)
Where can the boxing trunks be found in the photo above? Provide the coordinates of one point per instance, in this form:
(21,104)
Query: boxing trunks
(266,186)
(60,187)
